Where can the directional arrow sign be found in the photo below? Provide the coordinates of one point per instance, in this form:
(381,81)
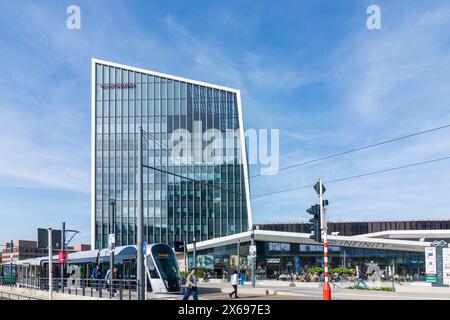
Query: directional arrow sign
(144,247)
(317,188)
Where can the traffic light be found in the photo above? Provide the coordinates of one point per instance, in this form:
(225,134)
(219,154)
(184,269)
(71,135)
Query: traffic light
(315,223)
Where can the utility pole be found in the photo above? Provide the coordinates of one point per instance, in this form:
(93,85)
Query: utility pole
(253,255)
(326,285)
(11,247)
(63,248)
(238,254)
(185,257)
(112,234)
(140,219)
(50,265)
(195,254)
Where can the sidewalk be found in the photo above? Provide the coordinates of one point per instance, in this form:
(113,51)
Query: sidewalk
(34,294)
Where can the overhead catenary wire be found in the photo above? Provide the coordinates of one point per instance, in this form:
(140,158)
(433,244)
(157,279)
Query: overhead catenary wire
(198,180)
(354,150)
(309,185)
(352,177)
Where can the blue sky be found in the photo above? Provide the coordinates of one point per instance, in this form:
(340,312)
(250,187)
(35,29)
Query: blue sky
(311,69)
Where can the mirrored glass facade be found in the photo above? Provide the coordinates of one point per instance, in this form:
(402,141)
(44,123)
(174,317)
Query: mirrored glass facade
(275,258)
(175,209)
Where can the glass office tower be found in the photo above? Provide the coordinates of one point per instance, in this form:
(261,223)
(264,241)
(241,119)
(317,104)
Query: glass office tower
(175,208)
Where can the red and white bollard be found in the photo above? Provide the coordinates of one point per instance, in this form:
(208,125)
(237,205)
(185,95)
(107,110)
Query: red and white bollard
(326,285)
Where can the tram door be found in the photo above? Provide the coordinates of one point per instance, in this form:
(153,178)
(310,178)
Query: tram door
(90,267)
(126,270)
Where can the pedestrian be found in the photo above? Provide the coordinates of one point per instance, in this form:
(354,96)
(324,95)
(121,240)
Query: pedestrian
(191,285)
(116,277)
(96,274)
(241,278)
(234,283)
(206,276)
(108,282)
(361,279)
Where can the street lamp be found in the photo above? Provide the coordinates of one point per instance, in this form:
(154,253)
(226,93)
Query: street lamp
(195,254)
(238,254)
(11,258)
(253,254)
(112,240)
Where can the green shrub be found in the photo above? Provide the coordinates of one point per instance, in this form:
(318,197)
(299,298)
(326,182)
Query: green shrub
(339,270)
(373,289)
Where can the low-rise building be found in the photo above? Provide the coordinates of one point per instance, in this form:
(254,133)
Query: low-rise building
(28,249)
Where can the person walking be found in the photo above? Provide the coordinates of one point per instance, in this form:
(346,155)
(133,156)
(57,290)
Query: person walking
(361,279)
(191,285)
(107,280)
(96,274)
(234,283)
(116,277)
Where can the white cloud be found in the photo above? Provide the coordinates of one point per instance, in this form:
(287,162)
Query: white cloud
(389,84)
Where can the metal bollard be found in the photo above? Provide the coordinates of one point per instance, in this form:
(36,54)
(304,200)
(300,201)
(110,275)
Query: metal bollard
(120,289)
(83,289)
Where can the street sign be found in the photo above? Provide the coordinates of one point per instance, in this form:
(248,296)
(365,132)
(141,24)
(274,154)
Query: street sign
(437,264)
(144,247)
(111,241)
(252,250)
(317,188)
(178,246)
(62,257)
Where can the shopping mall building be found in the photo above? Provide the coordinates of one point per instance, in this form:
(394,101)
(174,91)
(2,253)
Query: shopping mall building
(215,214)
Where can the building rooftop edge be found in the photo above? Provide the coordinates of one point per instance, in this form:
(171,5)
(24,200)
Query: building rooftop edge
(355,221)
(164,75)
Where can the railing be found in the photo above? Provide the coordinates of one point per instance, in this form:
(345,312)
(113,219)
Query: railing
(119,289)
(15,296)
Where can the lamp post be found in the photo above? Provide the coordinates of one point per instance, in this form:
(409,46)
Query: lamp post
(50,265)
(63,248)
(253,256)
(185,257)
(195,254)
(112,232)
(11,258)
(140,217)
(238,253)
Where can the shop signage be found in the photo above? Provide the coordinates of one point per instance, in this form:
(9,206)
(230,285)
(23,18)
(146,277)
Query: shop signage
(446,265)
(272,260)
(357,244)
(118,85)
(437,264)
(430,261)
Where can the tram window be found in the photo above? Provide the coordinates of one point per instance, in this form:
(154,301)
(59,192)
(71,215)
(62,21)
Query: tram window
(151,268)
(166,261)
